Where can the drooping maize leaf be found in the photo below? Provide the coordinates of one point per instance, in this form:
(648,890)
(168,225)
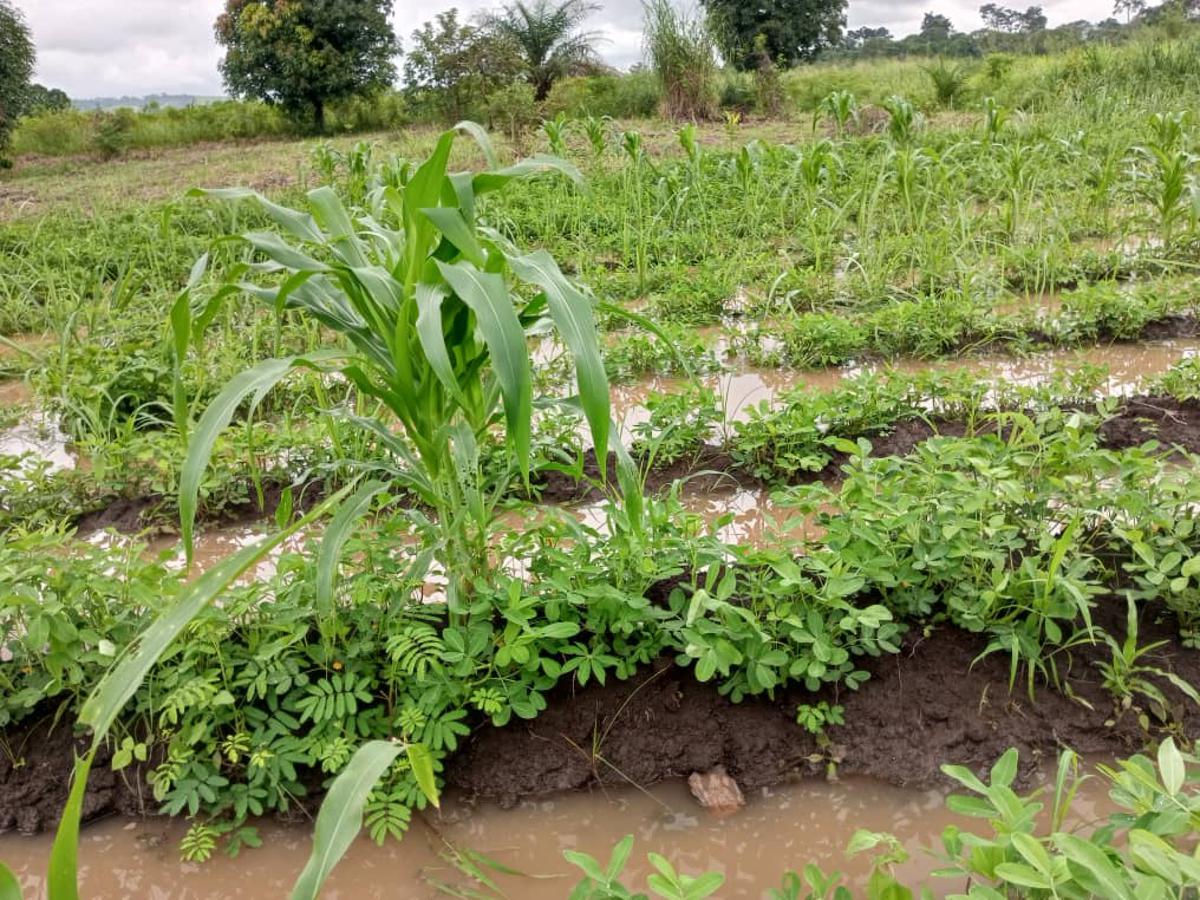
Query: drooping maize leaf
(335,537)
(487,296)
(341,815)
(572,314)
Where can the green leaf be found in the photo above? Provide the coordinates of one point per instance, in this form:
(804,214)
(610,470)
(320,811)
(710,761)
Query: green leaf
(62,880)
(574,319)
(1152,854)
(704,885)
(485,182)
(619,857)
(1005,769)
(965,777)
(1021,875)
(341,815)
(335,537)
(1170,766)
(10,888)
(1092,859)
(477,133)
(487,296)
(1035,854)
(450,222)
(433,339)
(257,382)
(422,768)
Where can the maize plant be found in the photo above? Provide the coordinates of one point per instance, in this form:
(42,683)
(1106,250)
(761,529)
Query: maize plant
(433,327)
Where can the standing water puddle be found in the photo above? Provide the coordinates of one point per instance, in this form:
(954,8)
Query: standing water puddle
(780,829)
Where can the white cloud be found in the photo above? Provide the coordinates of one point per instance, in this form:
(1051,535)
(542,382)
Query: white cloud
(95,48)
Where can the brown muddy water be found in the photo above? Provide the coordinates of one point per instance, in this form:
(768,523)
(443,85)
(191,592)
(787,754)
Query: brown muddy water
(780,828)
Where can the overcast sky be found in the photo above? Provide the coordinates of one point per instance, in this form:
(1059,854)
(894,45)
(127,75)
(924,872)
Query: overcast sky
(105,48)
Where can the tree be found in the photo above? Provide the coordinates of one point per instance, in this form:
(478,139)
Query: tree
(935,28)
(1131,8)
(859,36)
(454,66)
(304,54)
(1033,20)
(547,33)
(39,99)
(1000,18)
(794,30)
(16,67)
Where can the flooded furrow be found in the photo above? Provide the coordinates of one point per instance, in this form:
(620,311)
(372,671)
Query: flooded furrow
(1129,367)
(779,829)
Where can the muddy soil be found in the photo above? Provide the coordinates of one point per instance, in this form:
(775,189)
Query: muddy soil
(924,707)
(1171,422)
(137,514)
(35,768)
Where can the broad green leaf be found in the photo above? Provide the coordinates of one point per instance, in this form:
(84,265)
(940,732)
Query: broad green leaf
(424,191)
(331,214)
(1152,854)
(422,769)
(965,777)
(341,815)
(454,227)
(433,339)
(300,225)
(1022,875)
(487,296)
(1092,859)
(704,885)
(573,317)
(1170,766)
(62,878)
(1033,851)
(335,537)
(255,382)
(486,182)
(619,857)
(478,134)
(276,248)
(10,888)
(181,325)
(1005,769)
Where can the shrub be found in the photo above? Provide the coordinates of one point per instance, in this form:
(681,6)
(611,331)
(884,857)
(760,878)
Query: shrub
(111,137)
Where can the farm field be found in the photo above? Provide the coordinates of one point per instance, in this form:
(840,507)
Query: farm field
(851,459)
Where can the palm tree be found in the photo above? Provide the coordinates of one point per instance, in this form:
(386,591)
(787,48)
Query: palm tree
(548,36)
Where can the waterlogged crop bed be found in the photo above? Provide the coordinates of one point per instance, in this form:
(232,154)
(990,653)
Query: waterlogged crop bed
(529,493)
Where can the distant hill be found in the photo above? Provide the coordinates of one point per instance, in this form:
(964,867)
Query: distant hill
(139,102)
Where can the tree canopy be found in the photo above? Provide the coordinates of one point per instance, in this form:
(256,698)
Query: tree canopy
(303,54)
(453,65)
(548,36)
(792,30)
(16,67)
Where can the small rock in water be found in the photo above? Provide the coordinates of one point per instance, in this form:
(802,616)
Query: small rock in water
(716,791)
